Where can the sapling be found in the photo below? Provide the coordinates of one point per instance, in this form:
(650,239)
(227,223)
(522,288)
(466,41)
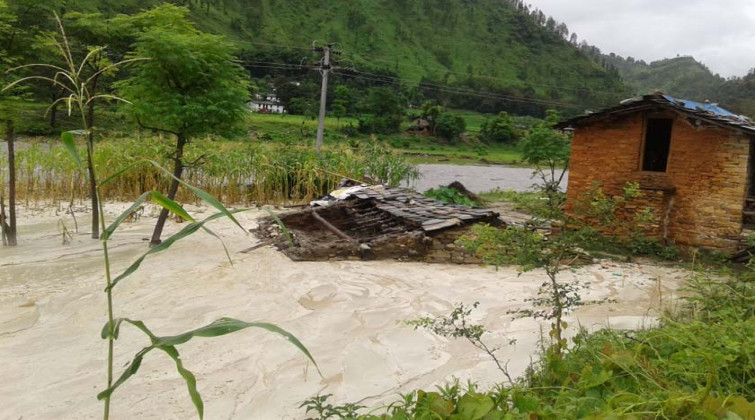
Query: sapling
(457,325)
(549,151)
(532,250)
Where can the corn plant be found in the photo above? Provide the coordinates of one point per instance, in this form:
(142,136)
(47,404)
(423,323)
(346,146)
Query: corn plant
(80,95)
(235,172)
(167,344)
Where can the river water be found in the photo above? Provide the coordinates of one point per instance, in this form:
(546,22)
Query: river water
(477,178)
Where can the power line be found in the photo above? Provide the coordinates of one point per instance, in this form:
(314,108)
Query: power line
(424,85)
(471,93)
(481,76)
(451,89)
(429,86)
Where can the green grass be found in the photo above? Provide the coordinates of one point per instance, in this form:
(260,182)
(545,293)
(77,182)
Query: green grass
(301,131)
(297,129)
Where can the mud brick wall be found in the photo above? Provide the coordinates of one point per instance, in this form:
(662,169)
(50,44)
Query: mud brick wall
(656,201)
(704,186)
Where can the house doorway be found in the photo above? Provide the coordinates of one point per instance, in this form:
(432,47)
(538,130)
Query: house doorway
(748,215)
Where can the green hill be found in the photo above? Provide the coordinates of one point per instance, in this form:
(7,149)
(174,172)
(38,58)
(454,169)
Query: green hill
(680,76)
(485,55)
(685,77)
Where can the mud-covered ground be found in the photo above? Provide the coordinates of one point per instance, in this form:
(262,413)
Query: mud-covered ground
(349,315)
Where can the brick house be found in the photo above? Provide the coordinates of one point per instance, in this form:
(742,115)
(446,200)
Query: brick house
(694,163)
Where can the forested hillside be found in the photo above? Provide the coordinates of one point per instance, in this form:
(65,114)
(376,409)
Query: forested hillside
(486,55)
(683,77)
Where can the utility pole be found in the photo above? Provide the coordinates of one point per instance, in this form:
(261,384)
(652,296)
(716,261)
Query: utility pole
(324,68)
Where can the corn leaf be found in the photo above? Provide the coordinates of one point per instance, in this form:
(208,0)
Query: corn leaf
(167,243)
(206,197)
(118,220)
(168,344)
(70,144)
(118,173)
(282,227)
(225,248)
(171,206)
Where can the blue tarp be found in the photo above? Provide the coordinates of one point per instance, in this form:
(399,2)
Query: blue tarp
(696,106)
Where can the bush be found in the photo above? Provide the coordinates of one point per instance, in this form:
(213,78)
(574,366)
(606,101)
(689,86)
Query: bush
(449,126)
(449,195)
(302,106)
(348,129)
(379,124)
(500,129)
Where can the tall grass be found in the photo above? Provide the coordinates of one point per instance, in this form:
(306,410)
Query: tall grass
(236,172)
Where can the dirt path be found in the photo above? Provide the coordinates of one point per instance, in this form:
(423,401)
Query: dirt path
(348,313)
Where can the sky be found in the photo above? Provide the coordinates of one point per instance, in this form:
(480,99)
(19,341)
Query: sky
(719,33)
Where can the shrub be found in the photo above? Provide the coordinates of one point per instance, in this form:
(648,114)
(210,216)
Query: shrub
(379,124)
(500,129)
(449,126)
(449,195)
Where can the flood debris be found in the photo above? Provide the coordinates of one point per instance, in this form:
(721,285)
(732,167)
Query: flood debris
(372,222)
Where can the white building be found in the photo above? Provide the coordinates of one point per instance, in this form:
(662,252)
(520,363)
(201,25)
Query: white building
(268,104)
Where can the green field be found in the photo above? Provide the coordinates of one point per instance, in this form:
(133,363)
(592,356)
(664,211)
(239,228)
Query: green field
(297,129)
(33,120)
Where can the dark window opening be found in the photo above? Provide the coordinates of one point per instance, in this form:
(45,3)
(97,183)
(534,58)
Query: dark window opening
(657,144)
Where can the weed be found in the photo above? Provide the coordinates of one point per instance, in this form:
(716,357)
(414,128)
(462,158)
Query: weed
(449,195)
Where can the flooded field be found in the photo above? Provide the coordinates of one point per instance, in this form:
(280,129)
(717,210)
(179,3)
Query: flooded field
(349,315)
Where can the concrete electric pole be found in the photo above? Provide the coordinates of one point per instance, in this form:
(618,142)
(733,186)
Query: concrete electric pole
(324,68)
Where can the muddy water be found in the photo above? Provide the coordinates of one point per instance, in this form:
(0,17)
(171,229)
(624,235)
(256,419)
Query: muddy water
(348,313)
(477,178)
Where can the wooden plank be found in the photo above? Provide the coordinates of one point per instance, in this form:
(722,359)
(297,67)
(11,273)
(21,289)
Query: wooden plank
(331,227)
(442,224)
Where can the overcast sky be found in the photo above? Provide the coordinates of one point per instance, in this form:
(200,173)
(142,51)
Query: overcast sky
(719,33)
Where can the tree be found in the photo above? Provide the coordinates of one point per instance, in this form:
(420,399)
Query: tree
(384,110)
(500,129)
(303,106)
(7,229)
(549,151)
(346,96)
(189,86)
(430,111)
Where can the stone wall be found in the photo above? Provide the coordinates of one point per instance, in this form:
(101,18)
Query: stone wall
(700,196)
(443,249)
(319,244)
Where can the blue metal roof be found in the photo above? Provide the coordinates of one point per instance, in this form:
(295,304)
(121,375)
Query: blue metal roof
(699,106)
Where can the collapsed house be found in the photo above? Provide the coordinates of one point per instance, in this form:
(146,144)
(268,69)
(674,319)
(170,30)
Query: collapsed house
(694,164)
(375,222)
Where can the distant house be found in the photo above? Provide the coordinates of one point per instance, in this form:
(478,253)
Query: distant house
(267,104)
(694,163)
(420,127)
